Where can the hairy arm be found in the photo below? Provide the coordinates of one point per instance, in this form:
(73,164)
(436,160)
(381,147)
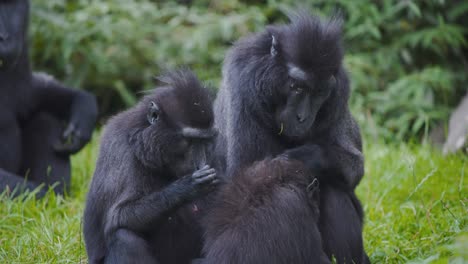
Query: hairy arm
(335,159)
(79,108)
(139,213)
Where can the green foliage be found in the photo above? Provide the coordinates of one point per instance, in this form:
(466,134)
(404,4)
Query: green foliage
(114,48)
(414,201)
(407,59)
(408,63)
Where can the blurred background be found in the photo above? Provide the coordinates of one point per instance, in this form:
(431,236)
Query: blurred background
(407,59)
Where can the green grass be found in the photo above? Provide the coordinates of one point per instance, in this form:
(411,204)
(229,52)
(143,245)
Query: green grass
(416,204)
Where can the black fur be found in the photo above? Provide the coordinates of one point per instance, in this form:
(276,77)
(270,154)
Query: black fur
(144,199)
(265,216)
(285,92)
(33,141)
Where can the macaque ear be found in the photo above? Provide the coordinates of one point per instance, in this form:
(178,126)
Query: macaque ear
(153,113)
(154,106)
(274,49)
(274,46)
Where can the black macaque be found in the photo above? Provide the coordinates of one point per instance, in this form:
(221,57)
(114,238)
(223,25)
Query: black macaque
(267,214)
(148,188)
(33,141)
(285,92)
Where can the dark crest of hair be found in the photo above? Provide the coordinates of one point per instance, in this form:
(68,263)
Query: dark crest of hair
(195,97)
(309,42)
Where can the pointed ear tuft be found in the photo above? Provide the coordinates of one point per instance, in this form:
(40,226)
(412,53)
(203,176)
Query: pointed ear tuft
(274,46)
(154,106)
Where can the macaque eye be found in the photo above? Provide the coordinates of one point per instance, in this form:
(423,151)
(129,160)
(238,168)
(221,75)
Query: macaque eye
(153,113)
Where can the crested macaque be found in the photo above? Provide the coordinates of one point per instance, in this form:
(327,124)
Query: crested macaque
(268,213)
(42,122)
(147,192)
(285,92)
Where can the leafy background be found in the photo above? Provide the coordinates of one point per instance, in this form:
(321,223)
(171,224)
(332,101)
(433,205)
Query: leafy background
(408,64)
(407,59)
